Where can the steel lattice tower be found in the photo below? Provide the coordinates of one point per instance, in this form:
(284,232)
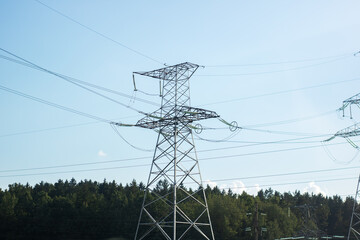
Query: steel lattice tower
(354,100)
(174,202)
(352,131)
(354,229)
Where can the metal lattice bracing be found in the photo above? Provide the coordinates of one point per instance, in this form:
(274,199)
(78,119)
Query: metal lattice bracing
(174,204)
(354,229)
(347,133)
(354,100)
(351,131)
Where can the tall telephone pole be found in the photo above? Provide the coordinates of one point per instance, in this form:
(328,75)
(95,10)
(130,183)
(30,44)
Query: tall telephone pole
(174,203)
(256,226)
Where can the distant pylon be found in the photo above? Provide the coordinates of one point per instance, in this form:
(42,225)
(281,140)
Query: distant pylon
(354,100)
(354,229)
(352,131)
(174,204)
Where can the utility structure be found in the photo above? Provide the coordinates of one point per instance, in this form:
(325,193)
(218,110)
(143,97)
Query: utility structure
(354,229)
(347,133)
(309,229)
(174,204)
(258,230)
(354,100)
(353,131)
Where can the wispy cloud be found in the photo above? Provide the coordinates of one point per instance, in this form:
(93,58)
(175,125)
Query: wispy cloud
(101,153)
(313,188)
(210,183)
(238,187)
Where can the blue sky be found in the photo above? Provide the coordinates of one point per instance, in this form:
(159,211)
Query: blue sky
(304,79)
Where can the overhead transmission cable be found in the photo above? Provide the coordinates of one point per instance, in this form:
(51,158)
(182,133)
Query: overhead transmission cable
(290,120)
(284,174)
(133,146)
(276,63)
(76,82)
(99,33)
(269,72)
(147,157)
(56,128)
(53,104)
(218,180)
(34,66)
(251,144)
(291,183)
(333,158)
(282,92)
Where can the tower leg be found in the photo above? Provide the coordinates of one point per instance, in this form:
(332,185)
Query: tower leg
(174,204)
(354,229)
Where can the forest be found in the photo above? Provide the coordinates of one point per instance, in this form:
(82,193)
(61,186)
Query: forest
(109,210)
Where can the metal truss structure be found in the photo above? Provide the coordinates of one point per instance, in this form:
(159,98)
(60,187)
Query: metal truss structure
(354,229)
(351,131)
(174,203)
(309,229)
(354,100)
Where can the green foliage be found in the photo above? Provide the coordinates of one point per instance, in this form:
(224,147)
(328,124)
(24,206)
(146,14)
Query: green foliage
(107,210)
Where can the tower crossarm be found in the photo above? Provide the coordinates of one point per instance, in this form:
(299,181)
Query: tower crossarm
(353,100)
(184,114)
(172,73)
(351,131)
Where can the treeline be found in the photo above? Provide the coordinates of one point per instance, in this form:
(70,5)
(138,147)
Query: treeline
(94,210)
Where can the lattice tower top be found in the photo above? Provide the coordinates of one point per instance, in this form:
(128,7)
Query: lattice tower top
(175,103)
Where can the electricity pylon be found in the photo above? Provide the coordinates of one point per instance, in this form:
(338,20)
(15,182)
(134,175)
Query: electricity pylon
(174,203)
(352,131)
(354,100)
(309,229)
(354,229)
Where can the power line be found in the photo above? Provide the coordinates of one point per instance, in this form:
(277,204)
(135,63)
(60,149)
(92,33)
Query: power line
(133,146)
(250,144)
(292,183)
(285,174)
(290,120)
(75,171)
(282,92)
(75,165)
(139,158)
(276,63)
(269,72)
(99,33)
(149,157)
(33,66)
(53,104)
(205,128)
(73,81)
(55,128)
(266,152)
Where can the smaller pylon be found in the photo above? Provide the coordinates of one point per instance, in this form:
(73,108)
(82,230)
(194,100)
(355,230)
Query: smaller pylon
(352,131)
(309,229)
(354,229)
(354,100)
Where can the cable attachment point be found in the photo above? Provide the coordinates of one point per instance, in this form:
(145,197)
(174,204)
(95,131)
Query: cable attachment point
(134,82)
(233,126)
(198,128)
